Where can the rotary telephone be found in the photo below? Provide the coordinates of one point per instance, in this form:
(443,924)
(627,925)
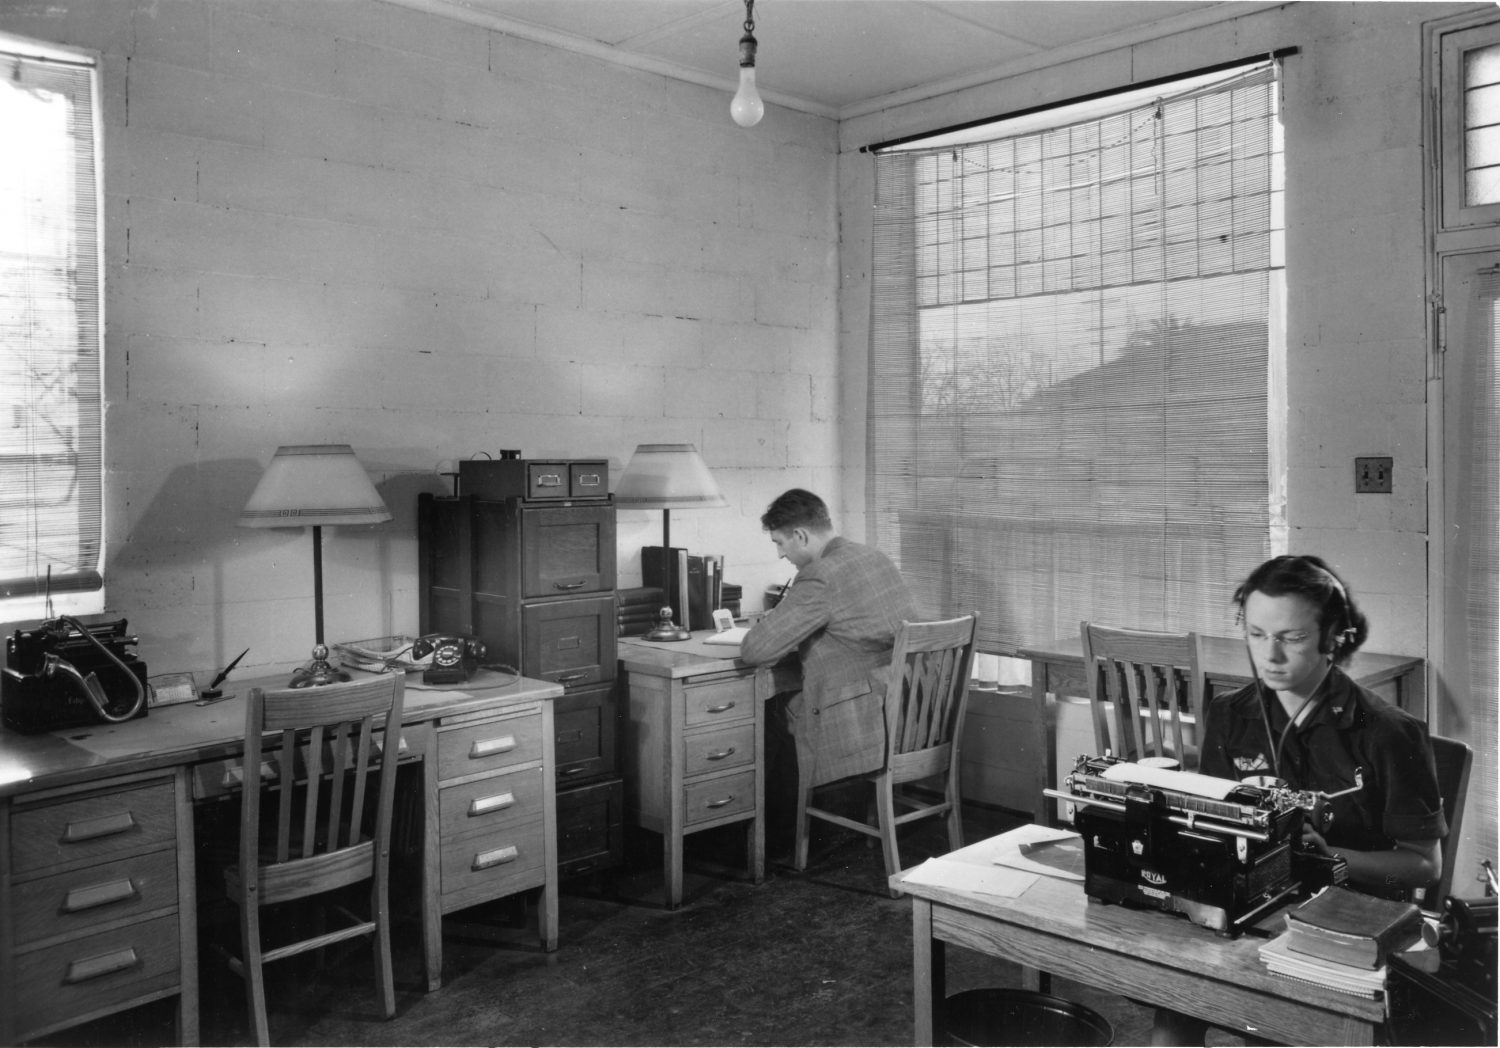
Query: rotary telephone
(454,659)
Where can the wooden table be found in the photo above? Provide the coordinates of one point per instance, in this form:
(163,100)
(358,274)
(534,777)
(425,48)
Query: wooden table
(1057,669)
(1157,958)
(146,774)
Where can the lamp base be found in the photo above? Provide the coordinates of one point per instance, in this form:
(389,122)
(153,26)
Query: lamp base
(666,629)
(318,672)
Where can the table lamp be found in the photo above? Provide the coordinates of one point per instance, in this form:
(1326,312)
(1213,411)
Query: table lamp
(310,485)
(668,477)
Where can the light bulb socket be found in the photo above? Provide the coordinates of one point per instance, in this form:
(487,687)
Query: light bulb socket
(747,51)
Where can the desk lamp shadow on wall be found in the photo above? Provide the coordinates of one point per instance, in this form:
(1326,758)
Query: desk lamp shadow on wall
(313,485)
(667,477)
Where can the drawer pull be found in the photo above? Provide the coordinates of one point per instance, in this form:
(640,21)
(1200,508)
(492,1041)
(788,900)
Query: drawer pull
(720,803)
(720,709)
(568,585)
(104,964)
(548,480)
(80,899)
(568,678)
(490,747)
(588,480)
(497,857)
(721,754)
(577,769)
(103,826)
(484,805)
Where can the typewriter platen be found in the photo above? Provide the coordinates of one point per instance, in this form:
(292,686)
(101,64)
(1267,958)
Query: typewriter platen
(1220,852)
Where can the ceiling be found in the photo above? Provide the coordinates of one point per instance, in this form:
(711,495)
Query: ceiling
(837,58)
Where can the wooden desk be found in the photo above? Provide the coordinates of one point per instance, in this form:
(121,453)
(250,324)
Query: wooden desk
(694,745)
(1157,958)
(131,787)
(1057,669)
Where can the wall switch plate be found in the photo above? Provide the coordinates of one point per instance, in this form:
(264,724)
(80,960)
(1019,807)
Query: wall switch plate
(1372,475)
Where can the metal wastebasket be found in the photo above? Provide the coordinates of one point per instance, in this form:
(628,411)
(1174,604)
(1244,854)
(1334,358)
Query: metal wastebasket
(1021,1017)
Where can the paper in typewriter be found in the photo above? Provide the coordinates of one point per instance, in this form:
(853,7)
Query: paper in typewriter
(1181,781)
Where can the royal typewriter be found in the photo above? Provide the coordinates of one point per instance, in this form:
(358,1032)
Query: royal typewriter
(1222,853)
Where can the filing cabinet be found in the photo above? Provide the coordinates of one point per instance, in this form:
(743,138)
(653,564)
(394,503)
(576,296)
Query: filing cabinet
(96,905)
(534,579)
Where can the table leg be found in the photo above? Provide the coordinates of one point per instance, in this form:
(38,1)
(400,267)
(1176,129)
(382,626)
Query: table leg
(1044,746)
(672,867)
(431,878)
(929,973)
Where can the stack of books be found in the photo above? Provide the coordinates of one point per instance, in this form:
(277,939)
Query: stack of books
(1343,939)
(636,609)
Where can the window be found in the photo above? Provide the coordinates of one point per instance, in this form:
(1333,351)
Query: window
(1077,318)
(1470,87)
(51,432)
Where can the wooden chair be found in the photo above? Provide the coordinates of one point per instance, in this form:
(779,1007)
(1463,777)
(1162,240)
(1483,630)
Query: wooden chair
(329,823)
(1453,761)
(1143,686)
(925,701)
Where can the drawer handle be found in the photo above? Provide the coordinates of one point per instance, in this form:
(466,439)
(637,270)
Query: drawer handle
(490,747)
(104,964)
(577,769)
(720,709)
(721,754)
(548,480)
(719,803)
(103,826)
(568,585)
(569,678)
(484,805)
(588,480)
(497,857)
(79,899)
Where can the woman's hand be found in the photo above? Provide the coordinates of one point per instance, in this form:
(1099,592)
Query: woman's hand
(1315,839)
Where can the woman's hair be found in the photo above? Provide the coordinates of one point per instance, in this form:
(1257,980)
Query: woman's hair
(796,508)
(1342,626)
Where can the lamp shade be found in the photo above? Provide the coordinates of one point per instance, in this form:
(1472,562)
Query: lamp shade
(312,485)
(667,476)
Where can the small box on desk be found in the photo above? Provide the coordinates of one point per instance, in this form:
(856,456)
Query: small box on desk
(534,479)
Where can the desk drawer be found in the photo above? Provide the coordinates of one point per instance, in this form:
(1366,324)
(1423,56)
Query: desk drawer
(708,799)
(570,642)
(719,699)
(488,805)
(590,828)
(77,901)
(85,975)
(93,827)
(584,733)
(502,862)
(490,745)
(728,747)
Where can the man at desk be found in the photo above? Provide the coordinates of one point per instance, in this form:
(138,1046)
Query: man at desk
(841,617)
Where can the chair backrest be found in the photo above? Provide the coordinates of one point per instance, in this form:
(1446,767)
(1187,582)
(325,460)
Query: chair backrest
(1144,687)
(929,686)
(320,749)
(1453,760)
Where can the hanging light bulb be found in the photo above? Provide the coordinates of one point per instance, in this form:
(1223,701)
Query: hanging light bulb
(747,108)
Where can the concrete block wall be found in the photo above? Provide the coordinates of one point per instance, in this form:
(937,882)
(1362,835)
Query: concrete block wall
(352,222)
(1356,271)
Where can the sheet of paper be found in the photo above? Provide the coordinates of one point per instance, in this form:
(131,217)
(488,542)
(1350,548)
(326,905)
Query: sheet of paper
(1182,781)
(967,877)
(1008,850)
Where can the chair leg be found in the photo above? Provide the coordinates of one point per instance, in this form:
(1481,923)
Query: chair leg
(385,983)
(255,984)
(885,810)
(955,816)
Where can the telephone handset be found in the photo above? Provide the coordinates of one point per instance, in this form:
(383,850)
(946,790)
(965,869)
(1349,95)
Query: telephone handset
(454,659)
(62,674)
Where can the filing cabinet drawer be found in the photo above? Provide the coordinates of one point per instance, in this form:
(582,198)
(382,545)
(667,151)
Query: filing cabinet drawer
(92,828)
(705,800)
(79,900)
(584,735)
(495,863)
(85,975)
(570,642)
(488,805)
(489,745)
(718,750)
(590,828)
(715,700)
(566,552)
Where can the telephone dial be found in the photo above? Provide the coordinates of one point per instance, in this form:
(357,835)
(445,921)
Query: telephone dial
(454,659)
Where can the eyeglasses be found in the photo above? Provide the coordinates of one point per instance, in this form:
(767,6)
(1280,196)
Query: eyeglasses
(1287,638)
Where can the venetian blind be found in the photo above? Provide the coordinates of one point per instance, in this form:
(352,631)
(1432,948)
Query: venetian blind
(50,439)
(1071,340)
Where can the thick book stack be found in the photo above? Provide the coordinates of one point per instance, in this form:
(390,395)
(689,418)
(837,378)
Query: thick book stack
(1343,939)
(637,609)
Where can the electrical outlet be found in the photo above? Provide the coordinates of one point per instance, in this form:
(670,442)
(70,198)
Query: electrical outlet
(1372,475)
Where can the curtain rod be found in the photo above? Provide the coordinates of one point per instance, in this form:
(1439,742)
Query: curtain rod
(891,143)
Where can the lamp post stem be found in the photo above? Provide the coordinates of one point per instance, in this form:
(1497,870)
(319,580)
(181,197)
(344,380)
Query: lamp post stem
(666,529)
(317,537)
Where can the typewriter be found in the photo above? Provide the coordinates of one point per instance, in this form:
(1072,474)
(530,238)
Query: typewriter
(1222,853)
(63,674)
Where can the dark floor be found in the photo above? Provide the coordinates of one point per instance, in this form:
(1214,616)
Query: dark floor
(817,958)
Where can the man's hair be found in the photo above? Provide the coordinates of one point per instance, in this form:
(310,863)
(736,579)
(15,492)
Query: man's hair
(1342,626)
(796,509)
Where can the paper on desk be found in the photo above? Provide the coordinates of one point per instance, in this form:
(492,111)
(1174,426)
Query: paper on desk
(967,877)
(1008,850)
